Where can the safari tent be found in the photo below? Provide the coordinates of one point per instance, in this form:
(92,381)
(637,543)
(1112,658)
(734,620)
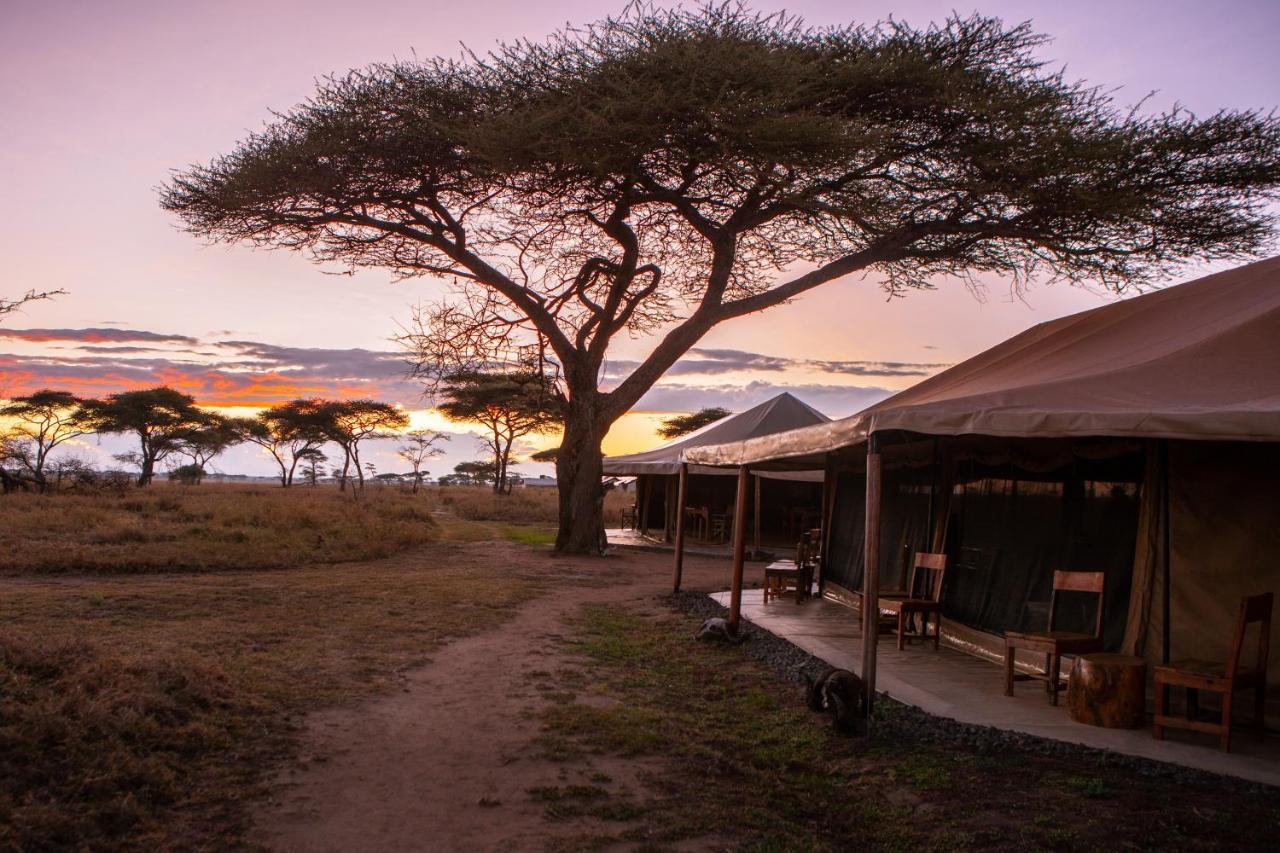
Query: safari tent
(781,502)
(1141,439)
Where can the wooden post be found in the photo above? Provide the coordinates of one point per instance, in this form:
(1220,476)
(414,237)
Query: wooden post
(667,489)
(739,547)
(1166,556)
(755,530)
(828,510)
(871,573)
(679,566)
(644,488)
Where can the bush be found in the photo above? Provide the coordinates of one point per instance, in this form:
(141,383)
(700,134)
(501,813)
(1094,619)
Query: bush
(187,475)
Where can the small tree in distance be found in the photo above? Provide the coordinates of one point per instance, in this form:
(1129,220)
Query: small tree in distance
(42,421)
(289,432)
(419,446)
(202,443)
(662,172)
(678,425)
(158,417)
(509,405)
(349,422)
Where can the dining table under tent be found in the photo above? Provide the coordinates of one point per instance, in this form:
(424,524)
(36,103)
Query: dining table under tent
(1140,439)
(780,503)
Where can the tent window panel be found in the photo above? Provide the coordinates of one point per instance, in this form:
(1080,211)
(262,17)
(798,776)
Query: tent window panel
(1009,536)
(905,528)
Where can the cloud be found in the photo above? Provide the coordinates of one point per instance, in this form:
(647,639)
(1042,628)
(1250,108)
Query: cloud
(216,373)
(94,336)
(703,361)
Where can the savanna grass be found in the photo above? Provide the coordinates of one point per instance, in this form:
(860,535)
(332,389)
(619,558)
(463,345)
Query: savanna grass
(168,527)
(142,711)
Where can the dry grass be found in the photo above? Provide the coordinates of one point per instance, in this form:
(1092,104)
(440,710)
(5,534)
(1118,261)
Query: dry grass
(139,712)
(208,527)
(535,505)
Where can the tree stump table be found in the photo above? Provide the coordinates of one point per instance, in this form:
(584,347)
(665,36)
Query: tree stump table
(1108,690)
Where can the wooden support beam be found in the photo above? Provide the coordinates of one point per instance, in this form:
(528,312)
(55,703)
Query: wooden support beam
(680,502)
(871,573)
(668,487)
(644,489)
(739,546)
(755,529)
(824,522)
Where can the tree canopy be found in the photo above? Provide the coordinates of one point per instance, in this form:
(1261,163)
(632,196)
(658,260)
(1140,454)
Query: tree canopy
(664,171)
(42,421)
(678,425)
(509,405)
(158,417)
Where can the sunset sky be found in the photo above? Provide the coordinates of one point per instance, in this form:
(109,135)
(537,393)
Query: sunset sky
(100,101)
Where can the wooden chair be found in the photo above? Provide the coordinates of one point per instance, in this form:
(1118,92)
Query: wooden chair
(721,527)
(1224,678)
(905,605)
(1055,643)
(797,574)
(629,517)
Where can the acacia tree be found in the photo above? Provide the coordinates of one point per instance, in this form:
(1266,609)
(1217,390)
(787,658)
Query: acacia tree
(678,425)
(666,171)
(419,446)
(202,443)
(41,422)
(157,417)
(312,461)
(349,422)
(289,432)
(508,405)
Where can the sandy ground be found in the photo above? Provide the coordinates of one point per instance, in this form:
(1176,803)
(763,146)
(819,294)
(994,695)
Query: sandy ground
(447,763)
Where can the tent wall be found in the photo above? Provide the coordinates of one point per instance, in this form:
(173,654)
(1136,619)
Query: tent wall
(1017,511)
(1224,506)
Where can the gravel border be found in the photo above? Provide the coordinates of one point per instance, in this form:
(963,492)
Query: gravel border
(898,721)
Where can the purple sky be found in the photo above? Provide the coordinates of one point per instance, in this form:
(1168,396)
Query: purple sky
(101,99)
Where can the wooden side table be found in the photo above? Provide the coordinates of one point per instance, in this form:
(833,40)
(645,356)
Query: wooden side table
(1108,690)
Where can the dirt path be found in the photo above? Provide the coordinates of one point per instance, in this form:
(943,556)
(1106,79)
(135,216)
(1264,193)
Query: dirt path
(447,763)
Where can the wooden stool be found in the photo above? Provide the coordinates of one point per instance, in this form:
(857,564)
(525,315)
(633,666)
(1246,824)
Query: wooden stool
(1108,690)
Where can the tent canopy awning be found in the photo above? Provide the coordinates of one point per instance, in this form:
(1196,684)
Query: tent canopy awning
(782,413)
(1197,361)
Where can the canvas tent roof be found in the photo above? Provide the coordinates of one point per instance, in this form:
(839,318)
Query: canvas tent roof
(783,412)
(1197,361)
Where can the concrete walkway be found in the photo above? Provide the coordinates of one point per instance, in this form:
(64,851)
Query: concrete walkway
(949,683)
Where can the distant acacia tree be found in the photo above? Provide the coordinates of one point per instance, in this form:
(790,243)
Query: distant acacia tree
(662,172)
(419,446)
(509,405)
(678,425)
(289,432)
(40,422)
(202,443)
(349,422)
(157,417)
(482,472)
(312,460)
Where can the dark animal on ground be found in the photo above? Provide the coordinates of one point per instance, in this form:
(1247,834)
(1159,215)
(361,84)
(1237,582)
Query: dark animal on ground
(839,692)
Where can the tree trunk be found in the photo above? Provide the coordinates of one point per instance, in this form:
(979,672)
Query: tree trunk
(578,475)
(346,466)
